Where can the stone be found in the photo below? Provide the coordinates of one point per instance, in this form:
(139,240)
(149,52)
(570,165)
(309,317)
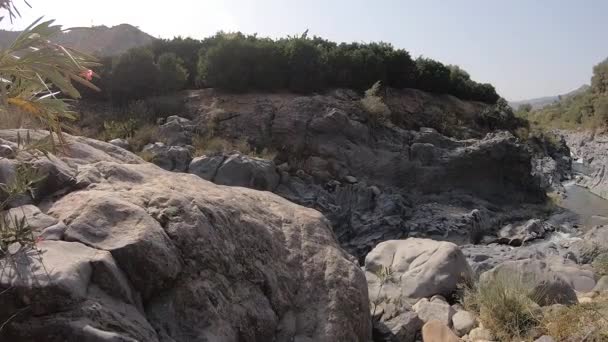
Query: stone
(480,334)
(137,241)
(6,151)
(403,328)
(122,143)
(436,331)
(419,268)
(350,179)
(35,219)
(250,172)
(553,277)
(545,338)
(206,166)
(602,284)
(463,322)
(177,131)
(59,275)
(434,310)
(170,158)
(252,265)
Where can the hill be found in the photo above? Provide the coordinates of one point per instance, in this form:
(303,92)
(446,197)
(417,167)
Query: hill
(98,40)
(541,102)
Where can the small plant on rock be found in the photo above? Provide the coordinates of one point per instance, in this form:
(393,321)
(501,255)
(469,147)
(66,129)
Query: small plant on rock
(385,275)
(375,106)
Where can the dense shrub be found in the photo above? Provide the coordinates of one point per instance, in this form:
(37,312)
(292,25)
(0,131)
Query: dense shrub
(134,76)
(238,63)
(305,65)
(172,73)
(432,76)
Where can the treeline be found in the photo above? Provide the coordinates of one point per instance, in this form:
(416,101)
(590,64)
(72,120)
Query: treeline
(237,62)
(588,109)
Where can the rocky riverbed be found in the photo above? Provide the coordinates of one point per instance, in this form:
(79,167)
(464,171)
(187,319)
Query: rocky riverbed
(352,232)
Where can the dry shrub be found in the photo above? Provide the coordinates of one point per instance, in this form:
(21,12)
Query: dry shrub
(581,322)
(205,145)
(600,264)
(13,119)
(506,305)
(143,136)
(375,106)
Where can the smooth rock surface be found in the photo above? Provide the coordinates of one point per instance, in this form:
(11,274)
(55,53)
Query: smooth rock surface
(419,268)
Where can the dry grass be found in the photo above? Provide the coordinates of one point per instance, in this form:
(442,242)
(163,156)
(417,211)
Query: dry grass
(582,322)
(14,119)
(600,264)
(203,145)
(506,306)
(144,135)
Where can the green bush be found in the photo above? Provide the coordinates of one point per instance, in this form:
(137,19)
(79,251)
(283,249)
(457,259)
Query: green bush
(237,62)
(134,76)
(172,73)
(305,65)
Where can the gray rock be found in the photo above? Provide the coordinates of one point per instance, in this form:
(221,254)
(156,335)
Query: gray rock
(122,143)
(250,264)
(401,328)
(350,179)
(545,338)
(419,268)
(516,235)
(6,151)
(34,218)
(177,131)
(602,284)
(553,278)
(170,158)
(206,166)
(250,172)
(463,322)
(137,241)
(436,310)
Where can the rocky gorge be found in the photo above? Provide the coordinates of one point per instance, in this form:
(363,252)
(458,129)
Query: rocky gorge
(357,229)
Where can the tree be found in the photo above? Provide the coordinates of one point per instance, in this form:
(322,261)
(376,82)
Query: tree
(525,108)
(172,73)
(134,76)
(186,49)
(305,65)
(432,76)
(227,65)
(400,69)
(599,80)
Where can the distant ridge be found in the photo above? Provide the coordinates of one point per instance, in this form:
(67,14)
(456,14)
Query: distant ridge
(97,40)
(541,102)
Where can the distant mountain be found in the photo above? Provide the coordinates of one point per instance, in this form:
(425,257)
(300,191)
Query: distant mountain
(97,40)
(541,102)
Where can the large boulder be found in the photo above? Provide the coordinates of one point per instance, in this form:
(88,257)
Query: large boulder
(554,279)
(415,268)
(237,170)
(208,262)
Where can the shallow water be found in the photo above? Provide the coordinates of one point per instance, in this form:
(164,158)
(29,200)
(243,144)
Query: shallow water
(589,209)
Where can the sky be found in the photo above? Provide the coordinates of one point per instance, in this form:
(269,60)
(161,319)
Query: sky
(525,48)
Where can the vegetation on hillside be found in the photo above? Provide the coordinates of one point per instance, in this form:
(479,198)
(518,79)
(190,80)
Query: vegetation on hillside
(588,109)
(237,62)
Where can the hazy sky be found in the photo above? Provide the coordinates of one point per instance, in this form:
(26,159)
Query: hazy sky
(526,48)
